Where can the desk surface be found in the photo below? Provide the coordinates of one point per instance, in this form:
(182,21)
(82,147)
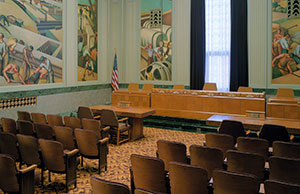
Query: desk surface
(135,112)
(293,126)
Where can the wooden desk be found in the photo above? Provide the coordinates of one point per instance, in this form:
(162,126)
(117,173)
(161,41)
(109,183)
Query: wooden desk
(293,126)
(135,114)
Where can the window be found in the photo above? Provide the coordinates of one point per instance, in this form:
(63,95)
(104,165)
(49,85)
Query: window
(218,37)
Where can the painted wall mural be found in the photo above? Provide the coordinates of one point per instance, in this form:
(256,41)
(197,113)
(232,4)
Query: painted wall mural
(87,69)
(31,42)
(285,41)
(156,40)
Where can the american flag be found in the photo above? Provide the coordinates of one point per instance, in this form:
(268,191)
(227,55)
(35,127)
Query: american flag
(115,79)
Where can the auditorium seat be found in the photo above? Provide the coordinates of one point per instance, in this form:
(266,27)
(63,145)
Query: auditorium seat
(55,120)
(8,145)
(24,115)
(44,131)
(278,187)
(143,191)
(65,136)
(26,127)
(93,125)
(223,141)
(171,151)
(72,122)
(274,133)
(234,183)
(210,86)
(253,145)
(187,179)
(107,187)
(148,173)
(39,118)
(286,149)
(84,112)
(208,158)
(9,125)
(245,89)
(233,128)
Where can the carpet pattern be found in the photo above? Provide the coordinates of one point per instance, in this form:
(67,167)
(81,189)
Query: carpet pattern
(119,160)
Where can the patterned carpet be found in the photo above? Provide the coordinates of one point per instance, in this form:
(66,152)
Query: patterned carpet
(118,160)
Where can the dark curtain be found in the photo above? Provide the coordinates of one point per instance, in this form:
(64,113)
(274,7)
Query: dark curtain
(239,45)
(197,44)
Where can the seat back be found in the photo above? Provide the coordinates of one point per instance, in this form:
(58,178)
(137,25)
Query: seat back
(148,173)
(147,87)
(222,141)
(186,179)
(253,145)
(245,89)
(285,169)
(25,127)
(8,145)
(143,191)
(109,118)
(286,149)
(210,86)
(93,125)
(274,133)
(72,122)
(44,131)
(8,170)
(243,162)
(178,87)
(133,87)
(24,116)
(39,118)
(55,120)
(208,158)
(9,125)
(107,187)
(276,187)
(285,92)
(65,136)
(29,149)
(85,112)
(87,142)
(234,183)
(53,155)
(233,128)
(171,151)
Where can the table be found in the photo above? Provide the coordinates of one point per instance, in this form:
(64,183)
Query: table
(135,114)
(292,125)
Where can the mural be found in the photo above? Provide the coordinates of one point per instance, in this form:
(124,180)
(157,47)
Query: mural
(156,40)
(285,42)
(31,36)
(87,40)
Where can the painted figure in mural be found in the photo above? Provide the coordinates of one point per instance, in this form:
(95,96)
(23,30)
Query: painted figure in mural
(4,20)
(150,53)
(2,52)
(44,71)
(284,43)
(10,43)
(276,43)
(283,62)
(297,54)
(10,70)
(89,68)
(27,65)
(157,55)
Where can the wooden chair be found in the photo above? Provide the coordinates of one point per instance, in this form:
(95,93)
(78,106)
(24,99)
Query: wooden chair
(171,151)
(208,158)
(244,89)
(274,133)
(9,125)
(108,187)
(234,183)
(109,119)
(148,173)
(143,191)
(210,86)
(8,145)
(59,161)
(178,87)
(65,136)
(55,120)
(187,179)
(26,127)
(91,147)
(284,169)
(223,141)
(39,118)
(24,116)
(86,113)
(15,181)
(286,149)
(147,87)
(285,93)
(233,128)
(133,87)
(253,145)
(72,122)
(277,187)
(243,162)
(44,131)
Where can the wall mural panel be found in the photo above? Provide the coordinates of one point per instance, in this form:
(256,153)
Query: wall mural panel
(87,69)
(285,42)
(156,40)
(31,42)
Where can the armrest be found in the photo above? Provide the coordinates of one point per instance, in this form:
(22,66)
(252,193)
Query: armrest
(248,132)
(106,129)
(103,141)
(123,119)
(292,137)
(28,169)
(71,153)
(97,117)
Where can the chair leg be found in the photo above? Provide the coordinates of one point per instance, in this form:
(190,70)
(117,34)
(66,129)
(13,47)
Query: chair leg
(49,177)
(118,137)
(81,161)
(42,177)
(99,169)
